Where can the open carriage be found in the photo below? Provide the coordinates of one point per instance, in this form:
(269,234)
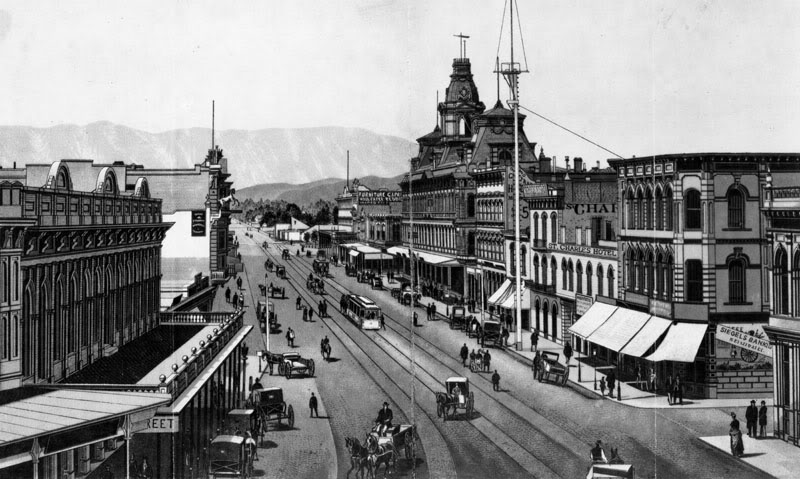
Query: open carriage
(229,458)
(293,364)
(456,396)
(400,437)
(492,334)
(271,406)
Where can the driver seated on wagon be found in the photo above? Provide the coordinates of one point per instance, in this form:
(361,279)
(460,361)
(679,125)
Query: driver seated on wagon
(457,394)
(384,421)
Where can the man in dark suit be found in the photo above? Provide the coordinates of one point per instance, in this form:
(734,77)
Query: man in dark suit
(751,415)
(384,420)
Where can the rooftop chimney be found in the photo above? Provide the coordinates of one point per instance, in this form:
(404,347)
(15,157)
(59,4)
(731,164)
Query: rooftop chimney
(566,162)
(545,165)
(578,164)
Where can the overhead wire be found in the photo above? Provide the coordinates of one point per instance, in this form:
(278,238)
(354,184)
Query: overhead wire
(574,133)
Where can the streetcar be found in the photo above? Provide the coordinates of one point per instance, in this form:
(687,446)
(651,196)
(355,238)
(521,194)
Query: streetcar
(361,310)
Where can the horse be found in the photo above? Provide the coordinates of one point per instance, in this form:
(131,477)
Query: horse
(326,350)
(615,458)
(359,457)
(380,454)
(445,403)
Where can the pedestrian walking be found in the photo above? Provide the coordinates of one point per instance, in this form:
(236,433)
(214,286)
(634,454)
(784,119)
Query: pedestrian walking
(479,357)
(321,307)
(428,311)
(669,387)
(751,416)
(236,300)
(567,351)
(311,314)
(762,419)
(472,357)
(678,390)
(535,340)
(737,445)
(603,387)
(241,301)
(383,321)
(611,380)
(652,380)
(290,337)
(496,381)
(433,311)
(239,282)
(415,319)
(312,405)
(297,303)
(487,360)
(305,314)
(228,295)
(464,354)
(537,364)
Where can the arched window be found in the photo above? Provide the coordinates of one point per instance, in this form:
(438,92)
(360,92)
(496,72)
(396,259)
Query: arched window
(629,209)
(589,279)
(694,280)
(693,210)
(736,281)
(554,227)
(796,283)
(610,281)
(535,226)
(15,339)
(648,210)
(735,208)
(571,276)
(629,271)
(669,272)
(564,271)
(659,276)
(554,319)
(659,212)
(649,270)
(5,291)
(781,282)
(544,227)
(639,221)
(544,270)
(5,330)
(546,317)
(579,271)
(505,157)
(639,262)
(535,268)
(668,208)
(600,279)
(538,317)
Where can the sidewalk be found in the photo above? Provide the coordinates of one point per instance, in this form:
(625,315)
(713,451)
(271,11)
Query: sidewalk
(771,455)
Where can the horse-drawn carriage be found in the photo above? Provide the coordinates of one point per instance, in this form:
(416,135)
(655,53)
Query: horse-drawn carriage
(286,255)
(552,370)
(269,265)
(407,294)
(458,318)
(456,396)
(315,285)
(280,271)
(492,334)
(400,437)
(473,327)
(325,349)
(265,312)
(376,283)
(229,457)
(271,406)
(293,364)
(321,266)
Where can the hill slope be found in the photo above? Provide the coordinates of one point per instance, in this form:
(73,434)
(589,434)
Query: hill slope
(254,156)
(308,193)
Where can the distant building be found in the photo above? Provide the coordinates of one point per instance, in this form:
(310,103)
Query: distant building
(200,202)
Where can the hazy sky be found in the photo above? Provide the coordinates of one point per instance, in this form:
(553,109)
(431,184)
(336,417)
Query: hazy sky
(638,77)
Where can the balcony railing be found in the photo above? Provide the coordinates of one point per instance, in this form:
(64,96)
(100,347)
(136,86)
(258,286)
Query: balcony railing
(788,192)
(184,317)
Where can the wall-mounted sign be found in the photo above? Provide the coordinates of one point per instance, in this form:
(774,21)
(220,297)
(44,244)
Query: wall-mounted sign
(534,190)
(582,304)
(378,197)
(586,250)
(198,222)
(593,208)
(748,337)
(157,424)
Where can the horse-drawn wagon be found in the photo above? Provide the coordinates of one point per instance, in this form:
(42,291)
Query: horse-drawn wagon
(376,283)
(491,333)
(552,370)
(400,437)
(321,266)
(293,364)
(456,396)
(280,271)
(271,406)
(315,285)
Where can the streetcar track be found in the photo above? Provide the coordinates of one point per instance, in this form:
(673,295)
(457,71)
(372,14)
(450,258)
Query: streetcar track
(526,449)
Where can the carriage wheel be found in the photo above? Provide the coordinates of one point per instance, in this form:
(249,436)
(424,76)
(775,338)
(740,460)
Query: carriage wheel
(280,369)
(311,368)
(470,406)
(288,371)
(270,368)
(290,417)
(439,409)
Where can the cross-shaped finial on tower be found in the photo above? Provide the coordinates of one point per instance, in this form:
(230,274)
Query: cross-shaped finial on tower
(462,45)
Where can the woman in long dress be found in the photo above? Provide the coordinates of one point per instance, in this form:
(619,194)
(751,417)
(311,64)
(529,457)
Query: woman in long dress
(737,446)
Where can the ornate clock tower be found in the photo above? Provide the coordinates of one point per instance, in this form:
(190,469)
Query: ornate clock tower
(462,102)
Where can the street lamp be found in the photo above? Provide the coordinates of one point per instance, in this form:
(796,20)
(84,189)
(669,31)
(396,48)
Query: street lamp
(579,361)
(594,363)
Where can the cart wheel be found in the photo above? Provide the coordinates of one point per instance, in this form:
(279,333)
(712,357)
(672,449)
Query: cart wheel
(270,369)
(290,417)
(439,409)
(280,369)
(311,367)
(288,372)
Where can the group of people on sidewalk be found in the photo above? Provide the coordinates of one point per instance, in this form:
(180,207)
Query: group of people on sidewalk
(756,426)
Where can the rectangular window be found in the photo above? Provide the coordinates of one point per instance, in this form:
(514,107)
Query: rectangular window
(610,235)
(597,231)
(694,213)
(694,280)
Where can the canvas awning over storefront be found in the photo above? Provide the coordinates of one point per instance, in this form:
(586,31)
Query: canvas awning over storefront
(353,253)
(398,251)
(377,256)
(502,292)
(681,343)
(509,301)
(366,249)
(646,337)
(619,329)
(436,259)
(592,319)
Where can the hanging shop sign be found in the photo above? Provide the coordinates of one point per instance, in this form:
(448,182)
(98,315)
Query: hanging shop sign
(198,222)
(582,304)
(749,338)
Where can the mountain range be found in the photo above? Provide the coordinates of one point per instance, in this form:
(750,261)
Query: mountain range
(273,155)
(309,193)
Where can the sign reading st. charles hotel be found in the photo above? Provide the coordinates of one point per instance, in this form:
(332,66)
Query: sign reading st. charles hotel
(585,250)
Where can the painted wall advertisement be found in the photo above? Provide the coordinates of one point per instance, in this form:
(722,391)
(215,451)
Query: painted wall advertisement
(378,197)
(742,346)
